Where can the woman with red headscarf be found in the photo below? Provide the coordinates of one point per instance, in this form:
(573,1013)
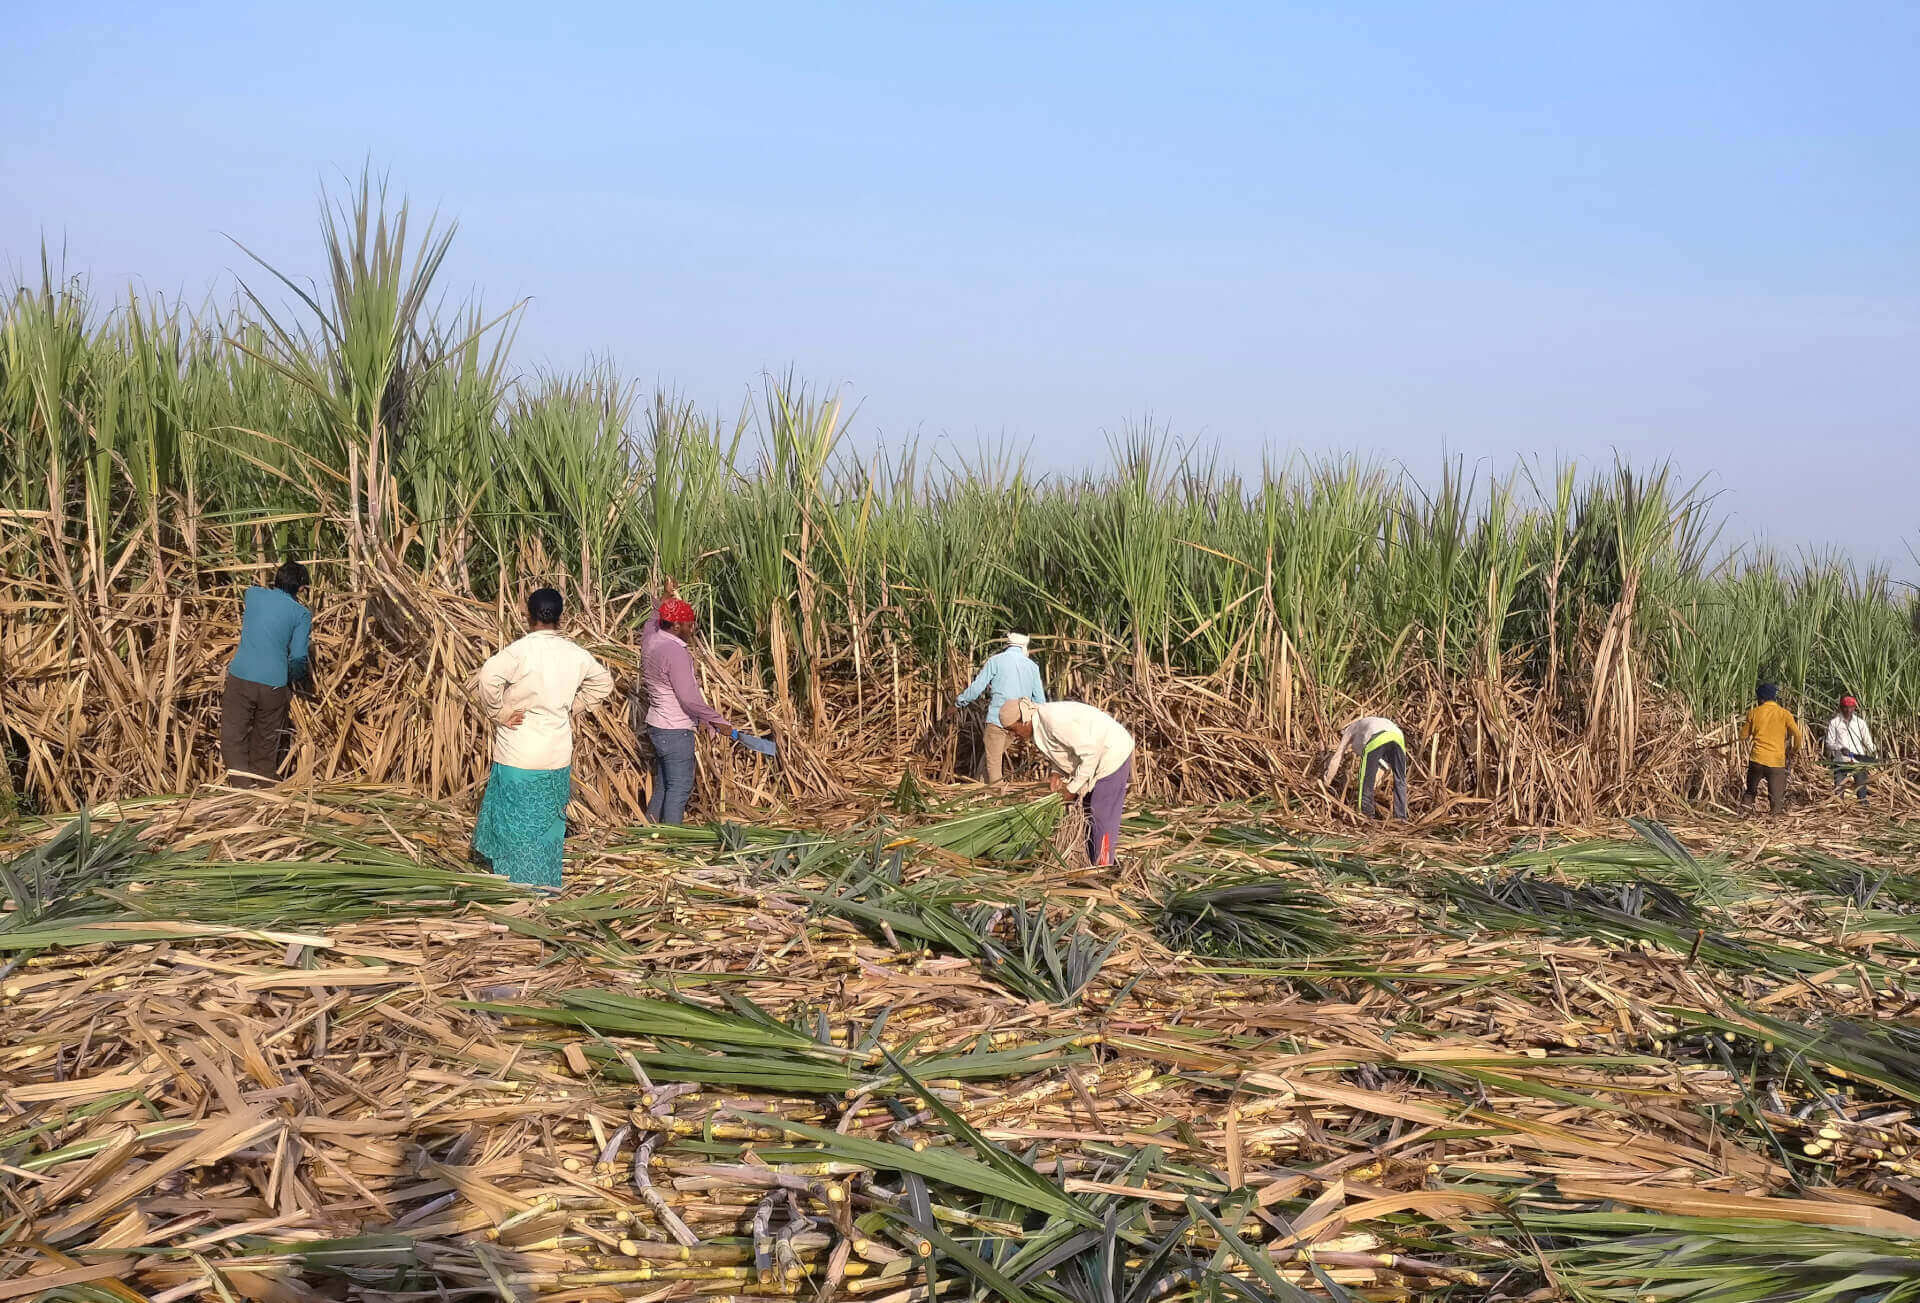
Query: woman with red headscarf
(675,705)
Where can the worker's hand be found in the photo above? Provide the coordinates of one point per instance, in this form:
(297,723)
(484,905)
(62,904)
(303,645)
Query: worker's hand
(515,720)
(673,589)
(1055,783)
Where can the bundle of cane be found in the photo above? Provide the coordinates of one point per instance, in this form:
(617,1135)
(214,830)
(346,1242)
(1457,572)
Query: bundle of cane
(1070,835)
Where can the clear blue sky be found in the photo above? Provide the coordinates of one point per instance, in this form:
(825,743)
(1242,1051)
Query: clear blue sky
(1666,228)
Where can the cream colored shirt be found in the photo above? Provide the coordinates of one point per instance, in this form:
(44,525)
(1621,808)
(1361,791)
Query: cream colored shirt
(1083,742)
(549,677)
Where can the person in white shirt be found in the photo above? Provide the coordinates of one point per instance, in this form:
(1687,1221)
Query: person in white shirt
(529,690)
(1094,755)
(1849,746)
(1377,743)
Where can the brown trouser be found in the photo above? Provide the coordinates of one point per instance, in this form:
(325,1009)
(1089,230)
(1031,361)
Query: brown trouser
(253,731)
(994,742)
(1776,780)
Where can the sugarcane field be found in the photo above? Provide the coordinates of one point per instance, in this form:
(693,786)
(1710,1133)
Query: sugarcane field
(484,833)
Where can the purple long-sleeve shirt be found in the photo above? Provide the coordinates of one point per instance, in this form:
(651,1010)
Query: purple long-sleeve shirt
(674,699)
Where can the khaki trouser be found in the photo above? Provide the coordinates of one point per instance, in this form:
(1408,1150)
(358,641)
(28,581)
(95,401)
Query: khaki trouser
(994,741)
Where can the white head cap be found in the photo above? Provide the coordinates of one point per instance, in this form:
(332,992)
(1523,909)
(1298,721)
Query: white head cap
(1017,640)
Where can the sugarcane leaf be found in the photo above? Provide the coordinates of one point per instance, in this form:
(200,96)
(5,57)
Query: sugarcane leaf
(939,1164)
(1153,1268)
(1256,1261)
(971,1263)
(992,1154)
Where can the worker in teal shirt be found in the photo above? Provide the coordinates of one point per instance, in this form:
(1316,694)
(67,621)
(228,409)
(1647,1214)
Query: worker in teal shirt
(269,667)
(1007,676)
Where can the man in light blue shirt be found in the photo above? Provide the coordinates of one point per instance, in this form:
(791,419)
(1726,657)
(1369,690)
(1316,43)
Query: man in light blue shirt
(1007,676)
(270,666)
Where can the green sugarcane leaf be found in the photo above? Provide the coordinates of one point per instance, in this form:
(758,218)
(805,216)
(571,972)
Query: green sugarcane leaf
(972,1264)
(941,1165)
(1256,1261)
(1001,1161)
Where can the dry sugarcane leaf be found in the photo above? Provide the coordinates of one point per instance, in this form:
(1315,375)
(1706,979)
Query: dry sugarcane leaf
(1712,1203)
(216,1141)
(30,1286)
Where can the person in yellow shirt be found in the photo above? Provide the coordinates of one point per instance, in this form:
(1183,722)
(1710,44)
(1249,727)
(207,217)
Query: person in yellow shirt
(1776,735)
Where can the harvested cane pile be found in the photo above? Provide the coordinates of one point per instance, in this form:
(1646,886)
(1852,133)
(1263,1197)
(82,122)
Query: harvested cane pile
(283,1047)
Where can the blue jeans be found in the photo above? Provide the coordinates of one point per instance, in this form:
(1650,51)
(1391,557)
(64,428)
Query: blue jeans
(672,774)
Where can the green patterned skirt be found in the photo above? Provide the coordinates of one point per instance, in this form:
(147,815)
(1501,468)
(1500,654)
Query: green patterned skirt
(523,823)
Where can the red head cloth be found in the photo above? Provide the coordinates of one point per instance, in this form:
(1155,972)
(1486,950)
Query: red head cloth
(675,611)
(1848,701)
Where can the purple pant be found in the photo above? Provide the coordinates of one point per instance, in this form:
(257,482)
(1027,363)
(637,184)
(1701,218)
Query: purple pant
(1103,805)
